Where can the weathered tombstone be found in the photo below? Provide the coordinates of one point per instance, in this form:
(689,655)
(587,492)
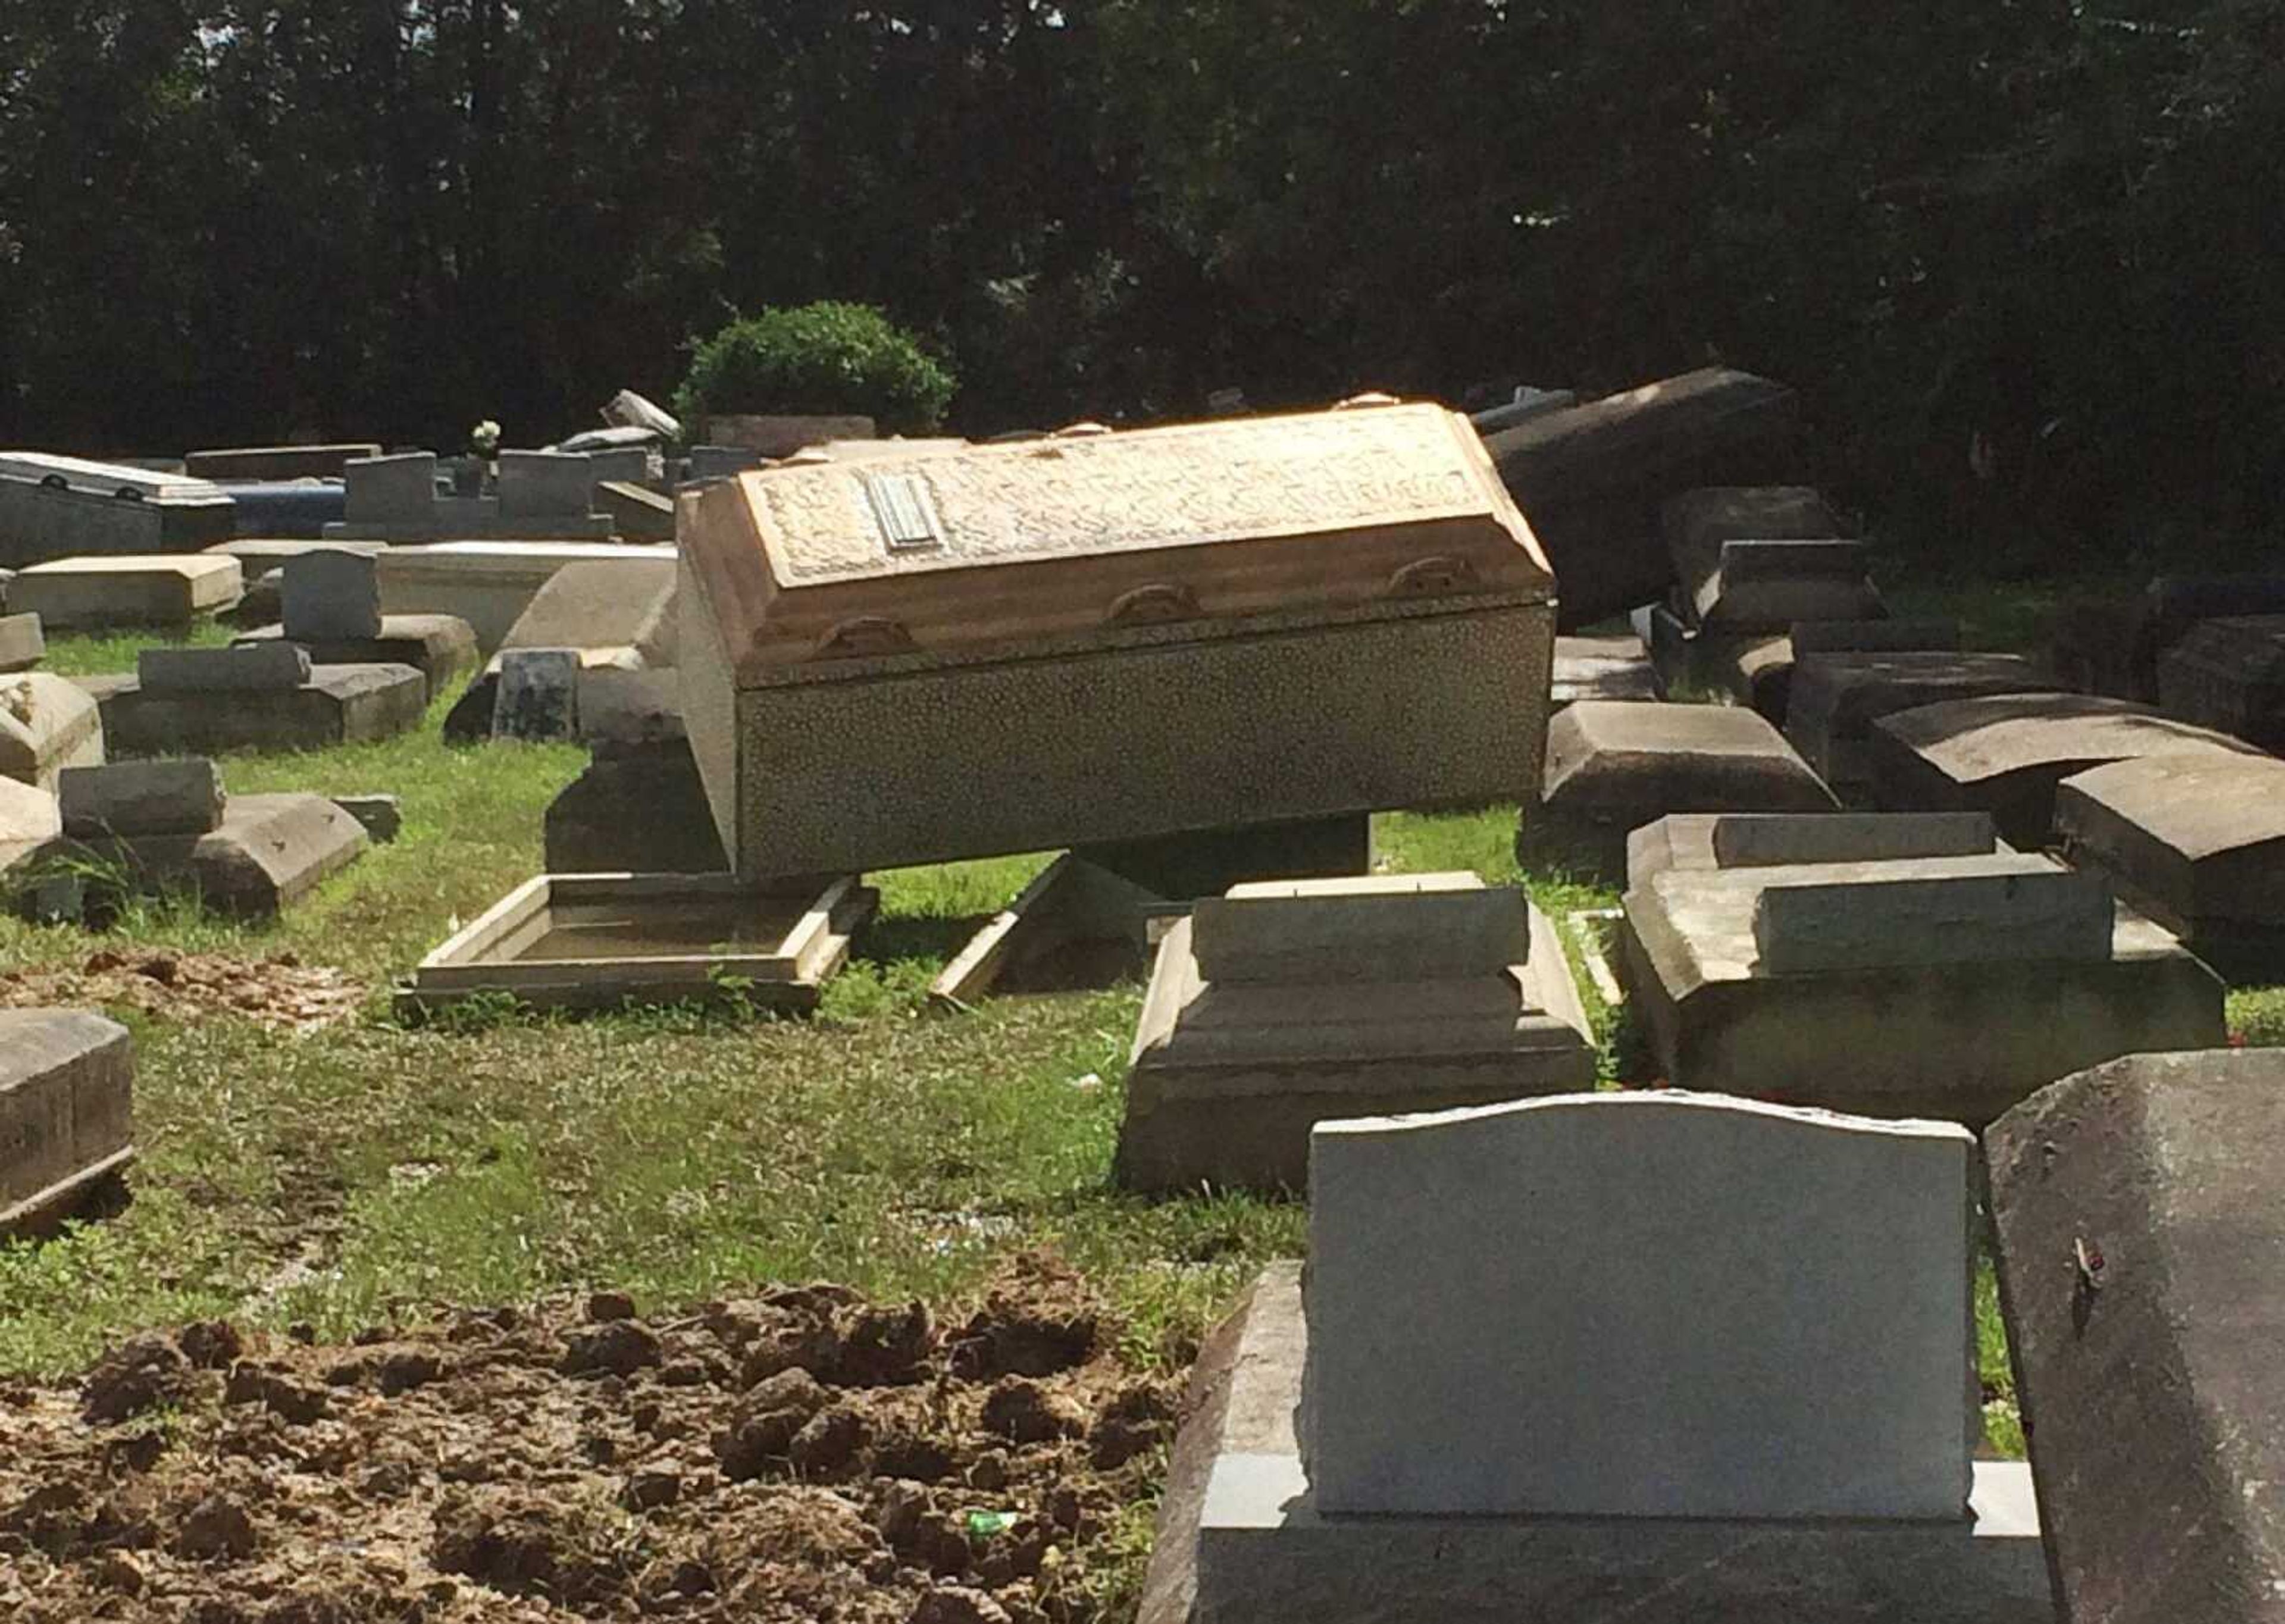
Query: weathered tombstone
(2196,842)
(142,798)
(1837,696)
(1952,1001)
(1614,766)
(1288,1002)
(1503,1414)
(1594,479)
(397,491)
(2230,675)
(23,644)
(545,484)
(77,594)
(67,1113)
(1155,633)
(2141,1248)
(265,852)
(538,697)
(331,596)
(248,668)
(2005,753)
(47,723)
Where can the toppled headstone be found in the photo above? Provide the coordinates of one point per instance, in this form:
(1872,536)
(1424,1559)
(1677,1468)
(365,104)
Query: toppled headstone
(2141,1248)
(398,490)
(1153,632)
(2196,842)
(331,596)
(1611,668)
(143,797)
(47,723)
(337,704)
(1613,767)
(538,696)
(1286,1003)
(23,644)
(1759,558)
(1837,696)
(2005,753)
(1766,840)
(2230,675)
(441,647)
(78,594)
(55,508)
(1594,479)
(67,1113)
(545,484)
(245,667)
(266,852)
(1944,1009)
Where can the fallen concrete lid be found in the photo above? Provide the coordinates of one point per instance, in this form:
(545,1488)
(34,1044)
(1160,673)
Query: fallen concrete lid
(1690,757)
(1005,545)
(1990,735)
(1629,439)
(2200,805)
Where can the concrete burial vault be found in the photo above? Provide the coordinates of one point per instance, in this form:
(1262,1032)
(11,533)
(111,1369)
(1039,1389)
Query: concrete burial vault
(2141,1244)
(67,1113)
(1083,640)
(1647,1357)
(1946,986)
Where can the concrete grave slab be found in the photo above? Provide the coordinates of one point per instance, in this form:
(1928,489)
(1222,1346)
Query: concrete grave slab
(1700,841)
(67,1113)
(47,724)
(1824,1370)
(1605,667)
(2196,842)
(1368,928)
(1613,767)
(490,583)
(1758,558)
(2141,1248)
(594,941)
(1595,479)
(537,699)
(2005,753)
(636,808)
(79,594)
(1959,1039)
(1240,1539)
(340,704)
(277,462)
(250,668)
(441,647)
(1868,917)
(1837,696)
(2230,675)
(23,644)
(331,595)
(142,798)
(268,852)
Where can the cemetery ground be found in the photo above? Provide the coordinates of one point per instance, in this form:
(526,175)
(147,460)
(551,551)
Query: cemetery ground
(358,1195)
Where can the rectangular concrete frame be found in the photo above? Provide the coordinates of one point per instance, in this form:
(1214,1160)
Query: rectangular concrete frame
(1071,910)
(1241,1541)
(1865,916)
(1959,1041)
(340,704)
(66,1112)
(809,937)
(1370,927)
(1243,1118)
(488,584)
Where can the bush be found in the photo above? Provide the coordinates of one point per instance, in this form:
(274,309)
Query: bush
(819,359)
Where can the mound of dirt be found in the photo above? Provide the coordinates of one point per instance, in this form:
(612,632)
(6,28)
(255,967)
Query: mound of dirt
(280,991)
(801,1455)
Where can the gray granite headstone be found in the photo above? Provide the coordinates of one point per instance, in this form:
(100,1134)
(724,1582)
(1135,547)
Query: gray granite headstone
(243,668)
(329,595)
(394,490)
(545,484)
(538,700)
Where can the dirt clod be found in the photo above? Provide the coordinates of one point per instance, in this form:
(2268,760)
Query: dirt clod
(957,1605)
(618,1346)
(216,1528)
(1023,1412)
(139,1374)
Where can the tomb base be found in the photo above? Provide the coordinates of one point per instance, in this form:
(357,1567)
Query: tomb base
(340,704)
(1239,1538)
(441,647)
(270,852)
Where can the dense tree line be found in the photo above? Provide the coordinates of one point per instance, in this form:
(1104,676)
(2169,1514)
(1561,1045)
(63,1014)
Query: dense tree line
(2035,247)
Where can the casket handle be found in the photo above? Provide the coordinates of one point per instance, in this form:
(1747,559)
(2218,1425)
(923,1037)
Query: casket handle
(1153,605)
(1437,575)
(867,635)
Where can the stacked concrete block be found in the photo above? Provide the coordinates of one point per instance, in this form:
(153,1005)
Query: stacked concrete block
(2230,675)
(80,594)
(331,596)
(1288,1002)
(257,694)
(2141,1248)
(2005,753)
(1837,696)
(1486,1404)
(67,1114)
(1613,767)
(1948,986)
(47,724)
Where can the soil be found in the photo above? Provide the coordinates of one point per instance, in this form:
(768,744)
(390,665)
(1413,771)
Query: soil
(799,1454)
(279,991)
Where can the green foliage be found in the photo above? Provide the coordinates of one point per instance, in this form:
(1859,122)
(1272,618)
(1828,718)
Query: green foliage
(819,359)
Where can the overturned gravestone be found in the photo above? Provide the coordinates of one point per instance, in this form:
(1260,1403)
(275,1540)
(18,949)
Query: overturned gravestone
(441,647)
(637,514)
(1948,987)
(1603,668)
(79,594)
(143,797)
(257,695)
(1756,668)
(2141,1248)
(23,644)
(1759,558)
(2112,645)
(2230,675)
(1153,633)
(1837,696)
(67,1114)
(1766,840)
(1502,1415)
(1613,767)
(1288,1002)
(537,699)
(2005,753)
(1594,479)
(331,596)
(47,724)
(64,507)
(2196,842)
